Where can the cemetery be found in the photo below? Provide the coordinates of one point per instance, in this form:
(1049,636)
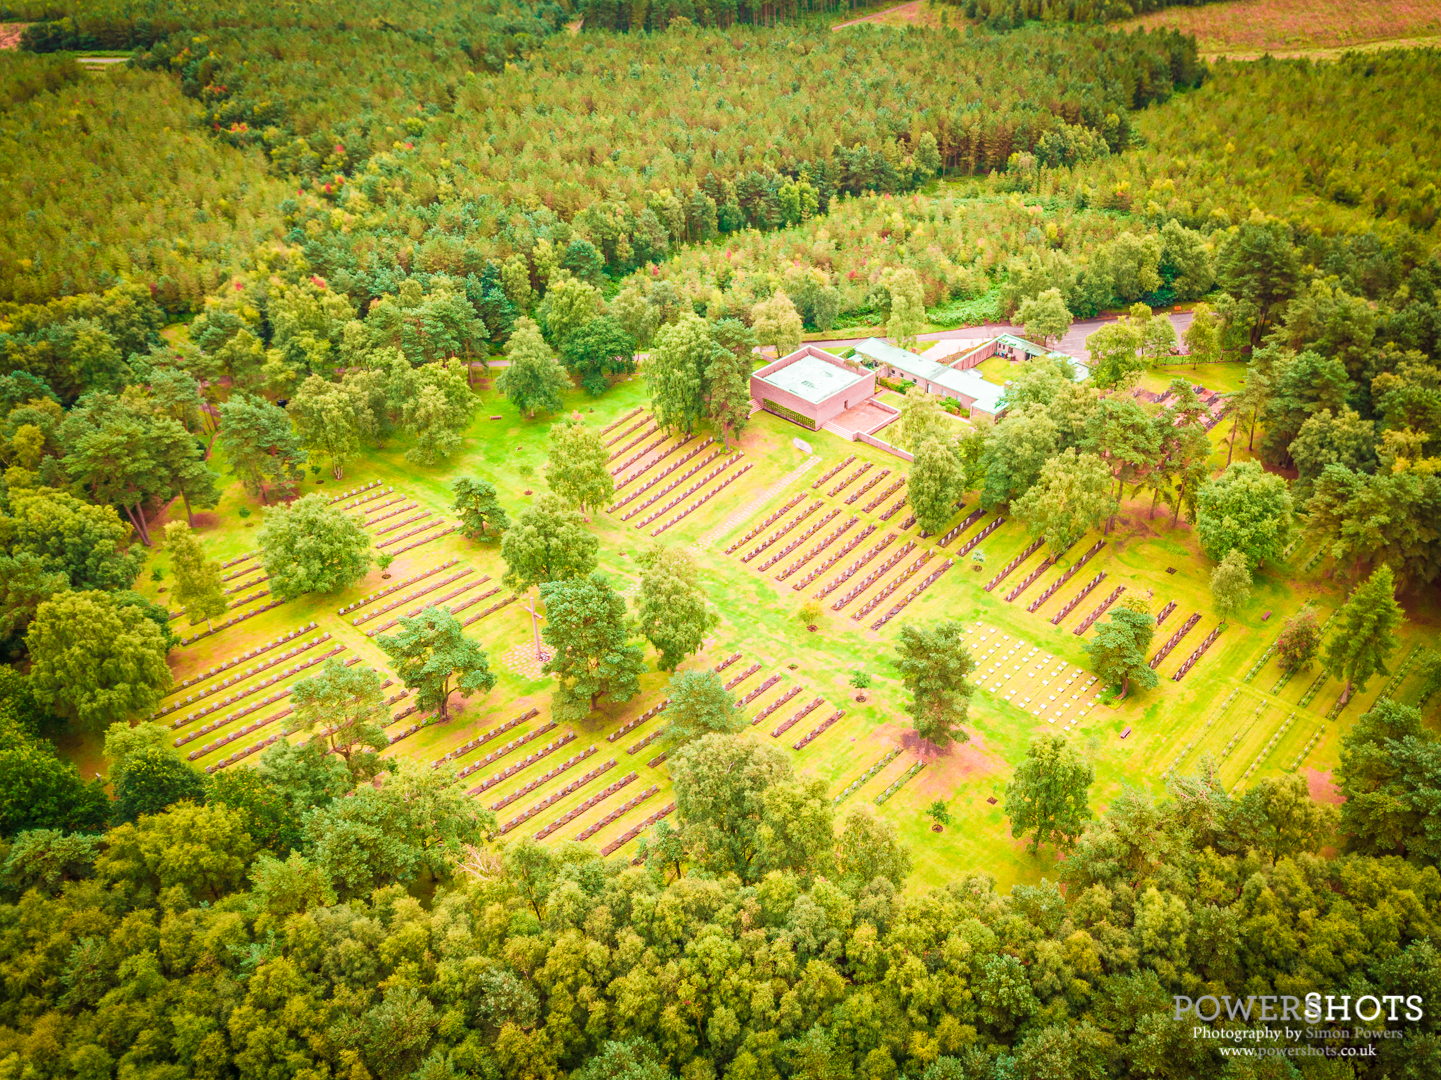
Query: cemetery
(773,528)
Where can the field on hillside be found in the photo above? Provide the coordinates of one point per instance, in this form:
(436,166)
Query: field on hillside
(604,778)
(1250,28)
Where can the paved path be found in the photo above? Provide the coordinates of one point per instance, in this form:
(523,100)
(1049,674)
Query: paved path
(1072,342)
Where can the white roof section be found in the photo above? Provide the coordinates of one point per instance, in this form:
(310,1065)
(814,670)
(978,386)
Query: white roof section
(812,379)
(883,352)
(970,382)
(974,385)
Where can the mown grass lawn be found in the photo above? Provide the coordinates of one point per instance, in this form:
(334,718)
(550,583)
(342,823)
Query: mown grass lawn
(1215,708)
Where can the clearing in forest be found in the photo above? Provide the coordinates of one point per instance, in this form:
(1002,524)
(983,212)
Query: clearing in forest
(1251,28)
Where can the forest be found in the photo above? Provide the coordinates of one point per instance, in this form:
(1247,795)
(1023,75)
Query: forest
(422,245)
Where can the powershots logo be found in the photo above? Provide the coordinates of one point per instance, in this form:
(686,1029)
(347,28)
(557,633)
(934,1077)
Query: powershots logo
(1246,1023)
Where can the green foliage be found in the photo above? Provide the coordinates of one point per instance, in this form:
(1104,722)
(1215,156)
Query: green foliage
(312,546)
(428,651)
(1119,646)
(181,210)
(934,665)
(1045,317)
(260,445)
(671,608)
(24,76)
(1299,640)
(88,544)
(699,705)
(1048,792)
(548,543)
(39,789)
(586,626)
(533,380)
(1230,585)
(95,661)
(922,418)
(416,824)
(152,779)
(936,482)
(578,471)
(343,708)
(198,585)
(479,509)
(1245,509)
(938,813)
(1363,632)
(1388,774)
(1071,496)
(742,810)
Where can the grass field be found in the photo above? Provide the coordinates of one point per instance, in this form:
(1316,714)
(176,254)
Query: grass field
(1251,28)
(1032,673)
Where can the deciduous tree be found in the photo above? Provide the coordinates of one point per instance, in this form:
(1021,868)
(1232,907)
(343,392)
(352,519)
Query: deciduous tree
(312,546)
(776,322)
(1245,509)
(907,306)
(479,509)
(728,393)
(198,587)
(1230,585)
(1048,793)
(672,610)
(94,661)
(699,705)
(593,657)
(1299,640)
(676,371)
(934,665)
(89,544)
(578,471)
(153,779)
(596,349)
(344,709)
(533,380)
(1045,317)
(1072,495)
(325,418)
(548,543)
(937,482)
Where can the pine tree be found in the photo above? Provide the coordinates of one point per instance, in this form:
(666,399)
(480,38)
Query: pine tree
(1364,639)
(258,441)
(198,586)
(429,651)
(1118,647)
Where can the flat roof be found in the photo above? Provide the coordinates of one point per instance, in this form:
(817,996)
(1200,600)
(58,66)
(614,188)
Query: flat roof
(812,379)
